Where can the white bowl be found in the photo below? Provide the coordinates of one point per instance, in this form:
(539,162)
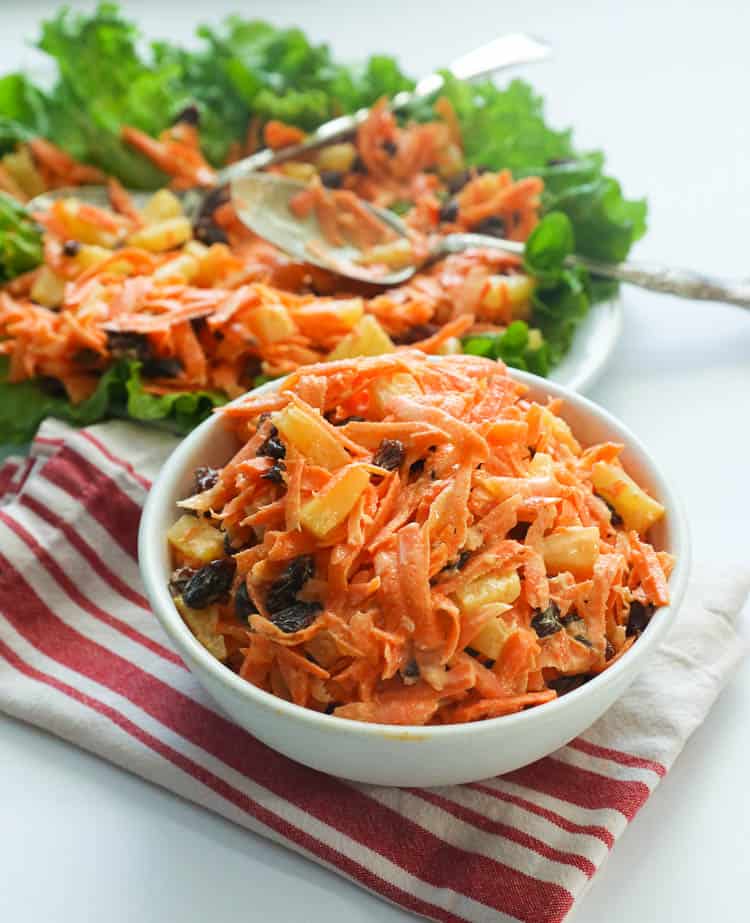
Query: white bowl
(399,755)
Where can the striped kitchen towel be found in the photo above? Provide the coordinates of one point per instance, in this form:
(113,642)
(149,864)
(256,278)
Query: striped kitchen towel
(82,656)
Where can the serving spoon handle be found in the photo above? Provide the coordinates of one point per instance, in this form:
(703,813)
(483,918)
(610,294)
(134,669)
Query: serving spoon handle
(684,283)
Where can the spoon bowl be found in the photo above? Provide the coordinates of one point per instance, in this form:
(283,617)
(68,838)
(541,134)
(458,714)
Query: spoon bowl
(263,204)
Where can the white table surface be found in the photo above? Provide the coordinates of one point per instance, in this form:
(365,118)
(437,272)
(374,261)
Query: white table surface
(664,90)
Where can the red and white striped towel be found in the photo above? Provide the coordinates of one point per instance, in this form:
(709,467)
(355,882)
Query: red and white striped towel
(82,656)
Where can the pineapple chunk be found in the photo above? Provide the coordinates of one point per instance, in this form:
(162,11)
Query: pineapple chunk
(491,638)
(399,385)
(395,254)
(337,316)
(503,292)
(195,540)
(637,509)
(296,169)
(331,507)
(202,623)
(541,466)
(90,255)
(536,339)
(78,228)
(183,268)
(162,206)
(271,323)
(48,288)
(339,157)
(196,248)
(520,288)
(367,339)
(562,432)
(22,169)
(495,587)
(306,432)
(572,548)
(166,235)
(451,347)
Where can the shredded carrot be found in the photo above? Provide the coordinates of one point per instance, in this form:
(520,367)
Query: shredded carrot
(392,575)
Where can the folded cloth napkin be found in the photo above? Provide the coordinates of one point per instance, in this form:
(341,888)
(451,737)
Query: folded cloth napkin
(82,656)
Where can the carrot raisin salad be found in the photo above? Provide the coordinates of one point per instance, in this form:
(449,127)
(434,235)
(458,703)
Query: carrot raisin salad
(405,540)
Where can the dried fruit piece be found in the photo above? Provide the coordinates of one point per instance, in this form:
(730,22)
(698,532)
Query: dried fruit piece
(210,583)
(282,593)
(547,622)
(638,618)
(205,478)
(296,617)
(389,455)
(244,607)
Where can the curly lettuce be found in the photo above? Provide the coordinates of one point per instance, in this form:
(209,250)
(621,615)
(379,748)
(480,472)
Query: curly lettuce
(20,240)
(120,393)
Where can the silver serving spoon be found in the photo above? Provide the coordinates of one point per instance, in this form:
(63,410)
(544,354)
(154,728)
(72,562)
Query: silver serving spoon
(500,53)
(262,201)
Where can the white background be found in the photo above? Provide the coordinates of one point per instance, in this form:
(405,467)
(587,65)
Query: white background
(664,88)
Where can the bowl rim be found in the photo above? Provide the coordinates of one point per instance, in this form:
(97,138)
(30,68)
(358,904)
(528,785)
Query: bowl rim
(150,547)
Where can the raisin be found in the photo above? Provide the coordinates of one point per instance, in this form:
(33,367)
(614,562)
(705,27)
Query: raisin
(582,639)
(71,248)
(461,561)
(570,618)
(449,211)
(390,147)
(161,368)
(273,447)
(124,345)
(208,232)
(199,324)
(190,115)
(253,368)
(353,419)
(417,467)
(472,652)
(296,616)
(518,532)
(331,179)
(411,670)
(275,473)
(609,651)
(179,579)
(456,183)
(415,334)
(87,358)
(547,621)
(494,226)
(244,607)
(330,708)
(638,618)
(205,478)
(210,583)
(282,593)
(51,386)
(390,454)
(358,166)
(564,684)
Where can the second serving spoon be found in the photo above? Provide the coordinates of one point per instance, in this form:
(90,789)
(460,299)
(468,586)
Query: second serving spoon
(262,201)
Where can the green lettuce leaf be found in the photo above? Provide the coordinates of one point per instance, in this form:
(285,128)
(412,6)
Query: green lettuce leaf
(24,405)
(20,240)
(563,294)
(506,128)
